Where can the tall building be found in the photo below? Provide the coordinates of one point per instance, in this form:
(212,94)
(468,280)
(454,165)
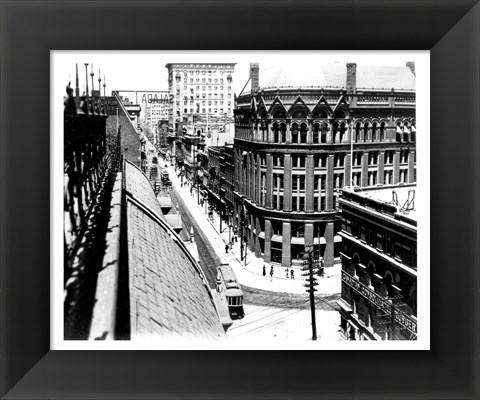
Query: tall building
(155,108)
(304,132)
(202,94)
(379,264)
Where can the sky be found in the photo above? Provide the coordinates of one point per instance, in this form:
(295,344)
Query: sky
(145,71)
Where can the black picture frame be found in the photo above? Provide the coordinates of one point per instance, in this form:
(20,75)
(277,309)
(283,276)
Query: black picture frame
(31,29)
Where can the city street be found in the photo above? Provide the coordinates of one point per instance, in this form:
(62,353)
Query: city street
(275,308)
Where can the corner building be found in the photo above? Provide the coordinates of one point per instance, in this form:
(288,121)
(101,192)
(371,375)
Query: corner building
(304,133)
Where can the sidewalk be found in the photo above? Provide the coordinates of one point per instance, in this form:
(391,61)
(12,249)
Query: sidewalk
(251,274)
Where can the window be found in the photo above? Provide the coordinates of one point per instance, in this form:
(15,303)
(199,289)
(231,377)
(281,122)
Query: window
(294,182)
(301,203)
(302,182)
(321,160)
(339,160)
(380,244)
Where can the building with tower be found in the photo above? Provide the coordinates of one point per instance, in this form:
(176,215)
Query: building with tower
(303,133)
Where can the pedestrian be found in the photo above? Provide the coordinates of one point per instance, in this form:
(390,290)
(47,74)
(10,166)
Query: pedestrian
(291,274)
(236,238)
(226,248)
(271,271)
(322,267)
(264,270)
(286,273)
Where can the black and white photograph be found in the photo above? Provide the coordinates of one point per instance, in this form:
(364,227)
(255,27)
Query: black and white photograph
(240,200)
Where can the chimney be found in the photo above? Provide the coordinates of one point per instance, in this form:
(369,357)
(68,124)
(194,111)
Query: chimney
(411,65)
(254,76)
(351,78)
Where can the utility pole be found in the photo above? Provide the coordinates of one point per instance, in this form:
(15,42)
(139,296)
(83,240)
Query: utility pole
(246,247)
(310,264)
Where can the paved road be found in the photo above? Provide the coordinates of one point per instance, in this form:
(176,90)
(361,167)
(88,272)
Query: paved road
(208,258)
(209,261)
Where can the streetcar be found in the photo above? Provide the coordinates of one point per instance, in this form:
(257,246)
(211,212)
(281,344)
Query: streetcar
(228,286)
(165,178)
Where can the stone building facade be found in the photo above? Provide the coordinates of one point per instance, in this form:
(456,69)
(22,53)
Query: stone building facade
(201,92)
(301,137)
(219,188)
(379,264)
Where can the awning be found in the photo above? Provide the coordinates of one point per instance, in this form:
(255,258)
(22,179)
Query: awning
(301,240)
(297,240)
(344,306)
(277,238)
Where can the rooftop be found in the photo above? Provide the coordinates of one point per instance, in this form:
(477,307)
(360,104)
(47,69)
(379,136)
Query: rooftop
(401,197)
(334,75)
(169,294)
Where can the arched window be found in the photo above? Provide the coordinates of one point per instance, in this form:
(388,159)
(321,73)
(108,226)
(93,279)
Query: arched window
(406,132)
(264,129)
(303,133)
(283,132)
(382,131)
(335,132)
(323,133)
(276,131)
(388,280)
(354,266)
(374,132)
(295,133)
(320,114)
(358,132)
(279,114)
(316,133)
(370,273)
(343,131)
(299,114)
(399,132)
(365,131)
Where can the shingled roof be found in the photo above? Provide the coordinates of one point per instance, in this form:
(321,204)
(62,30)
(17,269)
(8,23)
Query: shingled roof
(169,294)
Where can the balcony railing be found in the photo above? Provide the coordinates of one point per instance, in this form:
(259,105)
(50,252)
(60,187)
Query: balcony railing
(91,159)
